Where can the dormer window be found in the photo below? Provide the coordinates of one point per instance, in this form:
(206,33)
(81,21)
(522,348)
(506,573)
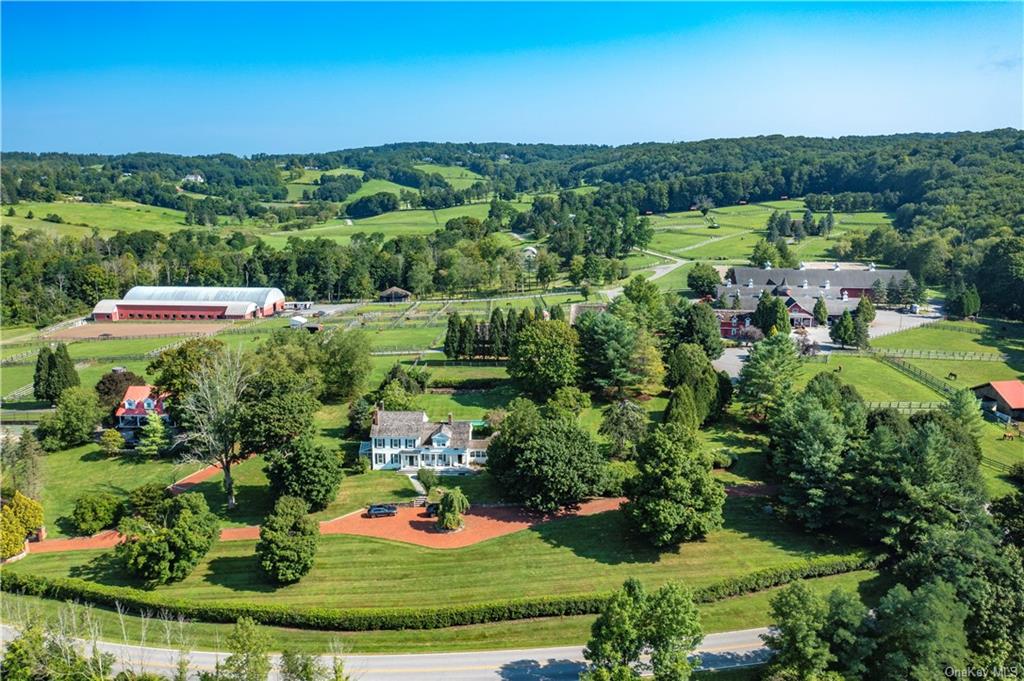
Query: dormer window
(129,404)
(149,404)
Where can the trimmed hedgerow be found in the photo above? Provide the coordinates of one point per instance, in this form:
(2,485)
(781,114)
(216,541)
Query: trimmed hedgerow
(367,619)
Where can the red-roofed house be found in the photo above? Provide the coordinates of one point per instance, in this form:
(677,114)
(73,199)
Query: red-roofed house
(137,403)
(1006,397)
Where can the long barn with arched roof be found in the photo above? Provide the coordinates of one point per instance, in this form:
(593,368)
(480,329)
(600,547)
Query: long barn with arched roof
(190,303)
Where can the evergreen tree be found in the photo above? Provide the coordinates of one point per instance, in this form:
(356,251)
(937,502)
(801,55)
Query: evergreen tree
(808,222)
(892,292)
(453,504)
(699,324)
(288,541)
(497,333)
(453,338)
(965,409)
(467,339)
(844,331)
(861,337)
(865,310)
(879,293)
(623,423)
(65,369)
(820,311)
(40,382)
(674,496)
(153,438)
(768,375)
(799,619)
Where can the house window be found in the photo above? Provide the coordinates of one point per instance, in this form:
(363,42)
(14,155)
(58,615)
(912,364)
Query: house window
(395,443)
(378,458)
(395,458)
(378,442)
(409,444)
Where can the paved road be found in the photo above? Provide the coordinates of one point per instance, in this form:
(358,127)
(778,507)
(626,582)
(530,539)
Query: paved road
(719,651)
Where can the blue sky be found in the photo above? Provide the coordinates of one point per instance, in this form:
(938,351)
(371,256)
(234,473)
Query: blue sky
(267,77)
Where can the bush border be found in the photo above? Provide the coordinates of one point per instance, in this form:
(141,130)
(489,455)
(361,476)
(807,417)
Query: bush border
(376,619)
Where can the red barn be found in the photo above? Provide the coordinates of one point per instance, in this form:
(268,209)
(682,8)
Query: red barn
(191,303)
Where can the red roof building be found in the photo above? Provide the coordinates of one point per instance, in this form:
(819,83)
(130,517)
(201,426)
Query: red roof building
(1005,397)
(136,405)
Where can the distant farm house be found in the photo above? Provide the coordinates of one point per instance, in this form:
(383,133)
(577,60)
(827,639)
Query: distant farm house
(194,177)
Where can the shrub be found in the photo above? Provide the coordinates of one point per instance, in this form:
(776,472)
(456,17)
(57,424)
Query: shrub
(288,541)
(616,473)
(95,512)
(428,477)
(12,534)
(111,442)
(168,550)
(29,512)
(147,501)
(73,422)
(721,458)
(361,465)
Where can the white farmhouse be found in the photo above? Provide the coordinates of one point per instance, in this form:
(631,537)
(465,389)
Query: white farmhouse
(408,439)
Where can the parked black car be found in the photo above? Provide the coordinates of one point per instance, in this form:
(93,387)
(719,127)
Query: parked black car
(432,509)
(381,510)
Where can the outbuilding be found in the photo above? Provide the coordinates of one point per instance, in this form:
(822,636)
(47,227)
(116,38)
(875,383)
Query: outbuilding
(394,295)
(190,303)
(1004,397)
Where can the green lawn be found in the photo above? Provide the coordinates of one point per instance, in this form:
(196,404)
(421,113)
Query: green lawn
(673,241)
(407,338)
(968,373)
(568,556)
(876,382)
(742,612)
(252,492)
(468,404)
(481,488)
(70,473)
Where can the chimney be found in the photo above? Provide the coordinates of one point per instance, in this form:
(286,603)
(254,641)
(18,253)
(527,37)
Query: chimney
(376,417)
(845,296)
(750,283)
(804,284)
(827,283)
(450,419)
(871,267)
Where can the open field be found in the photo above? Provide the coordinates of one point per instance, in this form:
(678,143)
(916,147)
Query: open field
(1002,452)
(741,612)
(80,218)
(994,336)
(575,555)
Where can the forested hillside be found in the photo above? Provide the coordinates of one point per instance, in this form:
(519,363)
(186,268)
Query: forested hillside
(956,203)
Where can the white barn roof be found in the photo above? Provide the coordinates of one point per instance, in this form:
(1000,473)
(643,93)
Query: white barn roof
(262,297)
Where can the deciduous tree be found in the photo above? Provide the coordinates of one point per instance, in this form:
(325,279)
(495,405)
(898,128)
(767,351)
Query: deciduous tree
(288,541)
(545,357)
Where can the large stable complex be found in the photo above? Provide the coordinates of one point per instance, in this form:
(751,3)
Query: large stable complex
(190,303)
(801,288)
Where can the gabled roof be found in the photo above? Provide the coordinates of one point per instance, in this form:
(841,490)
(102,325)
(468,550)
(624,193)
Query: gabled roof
(393,290)
(1011,392)
(840,278)
(138,394)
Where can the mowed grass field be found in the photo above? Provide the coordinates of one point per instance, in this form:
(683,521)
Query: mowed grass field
(567,556)
(727,615)
(730,614)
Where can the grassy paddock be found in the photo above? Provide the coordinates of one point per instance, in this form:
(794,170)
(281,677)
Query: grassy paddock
(876,382)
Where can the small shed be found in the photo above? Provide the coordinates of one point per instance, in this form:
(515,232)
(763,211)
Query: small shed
(298,321)
(394,295)
(1005,397)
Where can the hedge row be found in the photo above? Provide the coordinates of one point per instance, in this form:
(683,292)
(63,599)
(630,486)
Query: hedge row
(346,619)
